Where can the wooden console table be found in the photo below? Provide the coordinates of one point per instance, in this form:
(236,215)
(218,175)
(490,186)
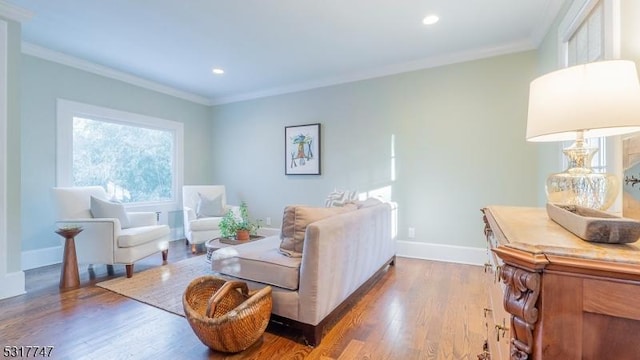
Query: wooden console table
(562,297)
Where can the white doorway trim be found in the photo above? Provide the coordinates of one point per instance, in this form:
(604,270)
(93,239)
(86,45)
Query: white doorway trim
(12,283)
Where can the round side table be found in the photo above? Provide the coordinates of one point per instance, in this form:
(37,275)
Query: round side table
(211,246)
(69,276)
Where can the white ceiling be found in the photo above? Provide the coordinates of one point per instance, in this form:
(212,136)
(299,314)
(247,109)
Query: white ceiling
(275,46)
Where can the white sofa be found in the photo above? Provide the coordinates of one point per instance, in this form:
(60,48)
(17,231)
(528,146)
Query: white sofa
(103,239)
(340,253)
(198,227)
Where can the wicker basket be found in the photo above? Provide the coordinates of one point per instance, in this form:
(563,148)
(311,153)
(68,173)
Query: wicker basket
(224,318)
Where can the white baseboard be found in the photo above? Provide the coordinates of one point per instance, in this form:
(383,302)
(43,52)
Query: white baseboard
(441,252)
(32,259)
(12,284)
(412,249)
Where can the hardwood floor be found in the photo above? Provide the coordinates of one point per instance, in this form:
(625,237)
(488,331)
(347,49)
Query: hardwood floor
(418,310)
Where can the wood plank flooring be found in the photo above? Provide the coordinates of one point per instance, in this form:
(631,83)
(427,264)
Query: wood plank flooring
(417,310)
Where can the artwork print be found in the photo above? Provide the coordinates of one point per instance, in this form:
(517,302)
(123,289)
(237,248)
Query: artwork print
(302,149)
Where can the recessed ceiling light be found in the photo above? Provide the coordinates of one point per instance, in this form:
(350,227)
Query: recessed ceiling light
(217,71)
(430,19)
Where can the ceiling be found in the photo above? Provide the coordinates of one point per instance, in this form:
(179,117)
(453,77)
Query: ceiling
(276,46)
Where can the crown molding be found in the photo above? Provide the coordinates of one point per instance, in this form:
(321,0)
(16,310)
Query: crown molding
(68,60)
(431,62)
(13,12)
(422,64)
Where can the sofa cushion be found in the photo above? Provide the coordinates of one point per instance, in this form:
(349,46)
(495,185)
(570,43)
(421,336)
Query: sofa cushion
(141,235)
(209,206)
(294,224)
(258,261)
(107,209)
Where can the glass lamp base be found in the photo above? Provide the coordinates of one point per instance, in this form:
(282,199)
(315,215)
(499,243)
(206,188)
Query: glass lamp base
(586,189)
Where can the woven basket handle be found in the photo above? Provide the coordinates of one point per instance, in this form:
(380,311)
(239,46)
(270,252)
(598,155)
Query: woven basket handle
(222,292)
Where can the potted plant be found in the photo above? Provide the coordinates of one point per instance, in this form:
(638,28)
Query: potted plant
(239,227)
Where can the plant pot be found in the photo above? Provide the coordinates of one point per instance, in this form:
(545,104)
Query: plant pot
(242,235)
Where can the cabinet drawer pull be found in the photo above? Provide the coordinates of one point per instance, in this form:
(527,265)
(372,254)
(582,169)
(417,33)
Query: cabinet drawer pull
(502,328)
(486,310)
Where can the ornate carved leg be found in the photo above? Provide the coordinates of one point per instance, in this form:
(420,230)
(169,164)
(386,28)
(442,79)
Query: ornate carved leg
(165,254)
(520,297)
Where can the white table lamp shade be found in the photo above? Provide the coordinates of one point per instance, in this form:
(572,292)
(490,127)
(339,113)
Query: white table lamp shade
(601,98)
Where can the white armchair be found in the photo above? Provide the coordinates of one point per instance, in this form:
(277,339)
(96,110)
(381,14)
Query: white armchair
(204,206)
(104,240)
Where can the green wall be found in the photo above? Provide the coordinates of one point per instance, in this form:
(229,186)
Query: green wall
(459,142)
(42,83)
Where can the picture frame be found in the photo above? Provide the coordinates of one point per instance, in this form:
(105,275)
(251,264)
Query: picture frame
(302,149)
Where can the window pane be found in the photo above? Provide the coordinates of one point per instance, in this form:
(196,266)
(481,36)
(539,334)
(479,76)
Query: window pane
(582,45)
(133,163)
(586,45)
(596,34)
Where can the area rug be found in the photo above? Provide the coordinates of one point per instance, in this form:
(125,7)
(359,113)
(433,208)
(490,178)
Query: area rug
(161,286)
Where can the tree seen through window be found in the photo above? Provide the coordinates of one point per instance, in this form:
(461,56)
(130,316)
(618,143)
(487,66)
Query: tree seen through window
(133,163)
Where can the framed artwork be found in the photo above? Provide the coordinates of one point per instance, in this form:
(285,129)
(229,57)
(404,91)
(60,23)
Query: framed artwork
(302,150)
(631,177)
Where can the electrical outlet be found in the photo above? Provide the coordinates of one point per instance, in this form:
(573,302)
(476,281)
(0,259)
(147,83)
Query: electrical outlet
(268,221)
(412,233)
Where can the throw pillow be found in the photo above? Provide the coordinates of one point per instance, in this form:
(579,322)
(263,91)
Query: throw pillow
(340,198)
(372,201)
(209,206)
(294,225)
(108,209)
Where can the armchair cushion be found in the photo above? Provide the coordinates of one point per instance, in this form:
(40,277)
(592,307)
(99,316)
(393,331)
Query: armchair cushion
(209,206)
(107,209)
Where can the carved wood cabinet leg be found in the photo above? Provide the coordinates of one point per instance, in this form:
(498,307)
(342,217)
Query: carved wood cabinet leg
(165,254)
(520,297)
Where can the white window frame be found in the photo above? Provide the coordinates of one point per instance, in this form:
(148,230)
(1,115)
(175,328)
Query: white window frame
(575,17)
(3,152)
(67,110)
(577,14)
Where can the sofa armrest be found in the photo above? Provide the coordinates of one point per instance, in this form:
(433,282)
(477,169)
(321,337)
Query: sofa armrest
(142,218)
(341,253)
